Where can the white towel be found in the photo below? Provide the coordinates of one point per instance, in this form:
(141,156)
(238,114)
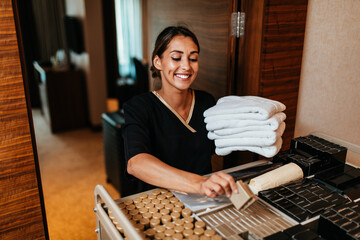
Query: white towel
(265,108)
(264,151)
(270,124)
(233,142)
(212,135)
(237,116)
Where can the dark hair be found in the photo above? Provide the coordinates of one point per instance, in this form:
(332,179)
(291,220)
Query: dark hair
(163,41)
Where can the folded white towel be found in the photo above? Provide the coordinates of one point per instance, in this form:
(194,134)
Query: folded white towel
(212,135)
(246,104)
(233,142)
(230,131)
(269,124)
(235,116)
(264,151)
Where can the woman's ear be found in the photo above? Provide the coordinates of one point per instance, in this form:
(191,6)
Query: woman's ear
(157,62)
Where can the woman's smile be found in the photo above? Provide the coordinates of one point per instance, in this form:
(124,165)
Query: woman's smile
(183,76)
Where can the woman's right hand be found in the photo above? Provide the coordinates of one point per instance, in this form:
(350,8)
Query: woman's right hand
(218,184)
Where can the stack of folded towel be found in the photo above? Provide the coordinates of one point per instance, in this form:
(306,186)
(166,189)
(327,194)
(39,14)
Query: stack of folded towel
(246,123)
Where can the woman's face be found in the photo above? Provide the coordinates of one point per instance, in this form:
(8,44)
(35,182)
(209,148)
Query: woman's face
(179,63)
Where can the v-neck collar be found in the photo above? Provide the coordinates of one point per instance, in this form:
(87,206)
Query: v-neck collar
(186,123)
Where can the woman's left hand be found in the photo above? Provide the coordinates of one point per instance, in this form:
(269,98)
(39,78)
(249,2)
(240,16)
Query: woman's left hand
(217,184)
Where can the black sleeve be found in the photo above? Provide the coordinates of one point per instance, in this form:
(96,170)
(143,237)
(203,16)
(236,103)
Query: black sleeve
(136,128)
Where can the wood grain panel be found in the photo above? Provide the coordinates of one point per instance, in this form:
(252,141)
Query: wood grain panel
(281,55)
(20,203)
(209,20)
(250,51)
(271,55)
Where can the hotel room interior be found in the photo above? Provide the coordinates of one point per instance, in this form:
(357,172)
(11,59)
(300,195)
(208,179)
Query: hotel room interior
(66,65)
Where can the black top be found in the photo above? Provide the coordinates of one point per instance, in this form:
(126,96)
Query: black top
(151,127)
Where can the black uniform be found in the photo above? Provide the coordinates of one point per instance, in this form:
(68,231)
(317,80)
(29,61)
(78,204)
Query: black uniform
(151,127)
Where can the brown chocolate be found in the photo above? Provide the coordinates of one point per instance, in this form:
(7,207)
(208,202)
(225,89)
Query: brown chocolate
(147,215)
(159,236)
(177,236)
(169,195)
(193,237)
(153,210)
(150,233)
(179,222)
(159,228)
(145,222)
(169,225)
(173,200)
(130,207)
(166,218)
(189,219)
(175,215)
(179,204)
(199,224)
(154,222)
(169,232)
(157,216)
(188,225)
(143,195)
(186,212)
(179,229)
(128,202)
(198,231)
(164,211)
(209,232)
(188,232)
(155,192)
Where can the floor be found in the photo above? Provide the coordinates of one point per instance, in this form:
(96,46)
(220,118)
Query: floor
(71,165)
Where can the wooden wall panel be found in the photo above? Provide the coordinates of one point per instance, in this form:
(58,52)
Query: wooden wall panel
(281,56)
(21,215)
(272,53)
(209,20)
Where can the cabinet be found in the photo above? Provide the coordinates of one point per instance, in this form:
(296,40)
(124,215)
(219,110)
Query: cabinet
(63,97)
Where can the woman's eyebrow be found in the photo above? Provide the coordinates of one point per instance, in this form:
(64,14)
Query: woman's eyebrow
(178,51)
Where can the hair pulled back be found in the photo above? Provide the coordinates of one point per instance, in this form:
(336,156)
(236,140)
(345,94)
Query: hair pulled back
(163,40)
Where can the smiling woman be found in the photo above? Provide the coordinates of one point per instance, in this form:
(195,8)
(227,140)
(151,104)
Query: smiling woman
(165,137)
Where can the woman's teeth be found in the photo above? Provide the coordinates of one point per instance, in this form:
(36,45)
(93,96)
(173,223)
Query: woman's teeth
(182,76)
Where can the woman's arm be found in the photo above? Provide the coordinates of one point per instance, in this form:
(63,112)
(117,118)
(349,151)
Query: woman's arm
(155,172)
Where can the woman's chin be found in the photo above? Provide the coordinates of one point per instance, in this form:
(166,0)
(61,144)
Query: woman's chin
(183,85)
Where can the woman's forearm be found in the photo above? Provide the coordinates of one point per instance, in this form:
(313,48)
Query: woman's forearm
(155,172)
(150,169)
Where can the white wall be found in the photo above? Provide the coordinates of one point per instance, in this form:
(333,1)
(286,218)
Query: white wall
(329,95)
(93,60)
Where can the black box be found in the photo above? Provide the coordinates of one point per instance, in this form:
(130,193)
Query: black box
(115,164)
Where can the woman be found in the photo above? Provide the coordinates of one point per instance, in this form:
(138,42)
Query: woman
(166,142)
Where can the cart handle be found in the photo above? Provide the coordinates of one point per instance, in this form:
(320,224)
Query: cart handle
(102,195)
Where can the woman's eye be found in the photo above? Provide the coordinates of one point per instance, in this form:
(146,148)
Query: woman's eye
(193,59)
(175,58)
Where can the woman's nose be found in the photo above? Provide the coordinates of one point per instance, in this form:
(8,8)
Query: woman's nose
(185,64)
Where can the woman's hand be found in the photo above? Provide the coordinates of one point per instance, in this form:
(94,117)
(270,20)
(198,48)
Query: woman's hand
(218,184)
